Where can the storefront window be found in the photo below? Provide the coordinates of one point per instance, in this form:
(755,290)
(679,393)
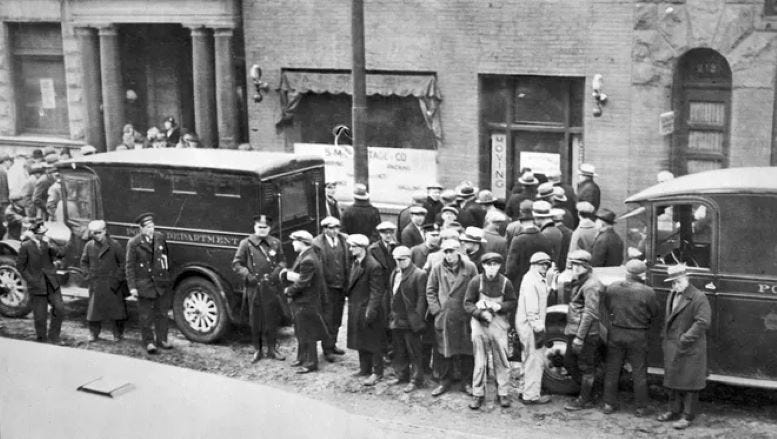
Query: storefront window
(39,73)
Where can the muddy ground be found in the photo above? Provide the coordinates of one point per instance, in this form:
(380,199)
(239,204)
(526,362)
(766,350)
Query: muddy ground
(725,411)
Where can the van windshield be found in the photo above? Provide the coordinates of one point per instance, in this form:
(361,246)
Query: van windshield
(81,195)
(684,234)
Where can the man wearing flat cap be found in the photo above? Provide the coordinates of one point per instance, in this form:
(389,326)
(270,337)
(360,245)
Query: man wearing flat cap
(307,297)
(528,242)
(490,300)
(530,325)
(336,260)
(688,317)
(433,204)
(148,279)
(587,189)
(35,263)
(582,329)
(448,215)
(412,234)
(361,217)
(405,215)
(608,246)
(584,235)
(631,308)
(258,261)
(381,250)
(366,291)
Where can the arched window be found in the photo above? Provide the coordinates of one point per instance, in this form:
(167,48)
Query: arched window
(702,102)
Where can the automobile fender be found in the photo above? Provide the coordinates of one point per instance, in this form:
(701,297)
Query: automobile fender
(213,276)
(556,314)
(10,247)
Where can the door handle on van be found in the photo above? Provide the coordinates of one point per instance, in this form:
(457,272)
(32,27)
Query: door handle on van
(711,286)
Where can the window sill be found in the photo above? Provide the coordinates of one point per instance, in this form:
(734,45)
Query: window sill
(38,141)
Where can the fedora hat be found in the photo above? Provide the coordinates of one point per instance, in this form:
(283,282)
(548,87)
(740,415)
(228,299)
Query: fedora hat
(485,197)
(554,175)
(466,192)
(588,169)
(473,234)
(541,209)
(674,272)
(545,191)
(528,179)
(360,192)
(606,215)
(559,195)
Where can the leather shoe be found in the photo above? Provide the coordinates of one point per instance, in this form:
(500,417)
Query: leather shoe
(608,409)
(303,370)
(667,416)
(151,348)
(578,404)
(372,380)
(93,338)
(439,390)
(296,363)
(257,356)
(681,424)
(329,357)
(165,345)
(338,351)
(398,381)
(504,401)
(360,373)
(274,354)
(410,387)
(543,399)
(476,402)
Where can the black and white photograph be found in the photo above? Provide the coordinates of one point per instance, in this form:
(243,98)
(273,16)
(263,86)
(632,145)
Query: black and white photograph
(388,219)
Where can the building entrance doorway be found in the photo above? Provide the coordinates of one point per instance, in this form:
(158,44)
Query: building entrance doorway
(156,61)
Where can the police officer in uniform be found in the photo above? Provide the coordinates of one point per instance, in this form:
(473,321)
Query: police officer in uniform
(258,260)
(148,279)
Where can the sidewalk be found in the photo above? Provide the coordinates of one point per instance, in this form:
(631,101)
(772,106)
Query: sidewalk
(38,399)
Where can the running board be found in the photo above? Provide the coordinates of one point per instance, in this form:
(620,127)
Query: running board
(728,379)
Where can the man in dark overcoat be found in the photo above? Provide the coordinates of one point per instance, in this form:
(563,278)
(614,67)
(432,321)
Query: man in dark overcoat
(419,253)
(405,215)
(587,189)
(543,217)
(471,213)
(336,260)
(148,279)
(258,260)
(412,234)
(381,250)
(569,199)
(366,291)
(307,295)
(528,242)
(446,288)
(36,265)
(407,311)
(608,246)
(525,188)
(688,317)
(332,205)
(103,267)
(361,217)
(433,204)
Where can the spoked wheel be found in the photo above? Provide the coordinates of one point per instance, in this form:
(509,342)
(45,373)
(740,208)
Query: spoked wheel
(14,297)
(555,378)
(199,310)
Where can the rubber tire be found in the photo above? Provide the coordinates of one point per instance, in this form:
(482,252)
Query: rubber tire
(25,306)
(222,319)
(551,381)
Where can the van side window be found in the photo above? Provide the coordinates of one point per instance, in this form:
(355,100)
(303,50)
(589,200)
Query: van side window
(142,181)
(684,234)
(747,234)
(183,184)
(294,199)
(227,188)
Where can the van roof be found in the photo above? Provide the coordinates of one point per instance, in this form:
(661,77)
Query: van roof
(259,162)
(729,180)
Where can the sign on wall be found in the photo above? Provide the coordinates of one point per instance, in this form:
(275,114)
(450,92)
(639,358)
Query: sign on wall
(666,123)
(499,165)
(395,173)
(541,162)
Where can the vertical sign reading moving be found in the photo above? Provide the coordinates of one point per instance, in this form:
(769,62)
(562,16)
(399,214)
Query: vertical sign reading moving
(499,165)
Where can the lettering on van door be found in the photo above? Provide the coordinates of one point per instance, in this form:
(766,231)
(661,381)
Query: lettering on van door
(766,288)
(205,238)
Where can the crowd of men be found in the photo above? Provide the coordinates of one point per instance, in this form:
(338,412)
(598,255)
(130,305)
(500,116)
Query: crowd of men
(435,294)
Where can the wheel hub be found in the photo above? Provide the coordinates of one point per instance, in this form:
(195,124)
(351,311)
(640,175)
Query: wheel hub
(200,311)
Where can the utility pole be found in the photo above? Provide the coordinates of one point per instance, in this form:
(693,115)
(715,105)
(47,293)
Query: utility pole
(359,106)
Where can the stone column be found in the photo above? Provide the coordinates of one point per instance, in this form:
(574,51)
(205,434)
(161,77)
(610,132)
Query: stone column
(225,88)
(204,86)
(89,46)
(112,86)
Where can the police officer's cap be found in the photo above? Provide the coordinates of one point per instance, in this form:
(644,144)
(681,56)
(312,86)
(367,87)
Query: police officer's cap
(262,220)
(144,218)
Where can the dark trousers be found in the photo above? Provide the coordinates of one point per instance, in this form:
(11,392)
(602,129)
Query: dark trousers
(371,362)
(40,305)
(455,368)
(333,316)
(307,353)
(118,328)
(407,352)
(261,334)
(685,402)
(153,312)
(582,367)
(626,344)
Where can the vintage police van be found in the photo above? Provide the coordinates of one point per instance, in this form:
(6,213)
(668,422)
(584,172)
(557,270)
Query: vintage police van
(203,200)
(723,225)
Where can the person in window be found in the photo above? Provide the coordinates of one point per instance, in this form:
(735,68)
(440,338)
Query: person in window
(131,138)
(172,132)
(189,140)
(608,246)
(587,189)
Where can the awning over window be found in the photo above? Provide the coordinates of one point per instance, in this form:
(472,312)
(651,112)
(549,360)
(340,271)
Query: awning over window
(384,84)
(295,84)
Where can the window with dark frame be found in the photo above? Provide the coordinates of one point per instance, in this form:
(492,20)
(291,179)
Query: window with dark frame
(142,181)
(770,7)
(184,185)
(227,189)
(39,77)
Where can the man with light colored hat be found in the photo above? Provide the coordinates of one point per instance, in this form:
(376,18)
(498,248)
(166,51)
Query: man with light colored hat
(472,241)
(584,235)
(554,177)
(582,329)
(382,248)
(445,291)
(336,261)
(361,217)
(405,215)
(524,189)
(433,204)
(366,293)
(407,314)
(530,325)
(607,250)
(543,217)
(587,189)
(436,257)
(528,242)
(471,213)
(448,215)
(495,242)
(687,318)
(559,200)
(631,307)
(545,191)
(307,299)
(412,234)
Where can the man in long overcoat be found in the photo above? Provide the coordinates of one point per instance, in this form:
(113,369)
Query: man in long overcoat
(36,265)
(307,295)
(103,266)
(366,291)
(431,244)
(445,291)
(361,217)
(584,235)
(148,279)
(528,242)
(336,260)
(608,246)
(587,189)
(688,315)
(258,260)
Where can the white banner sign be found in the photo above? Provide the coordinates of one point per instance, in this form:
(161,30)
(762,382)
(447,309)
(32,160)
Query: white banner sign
(395,173)
(499,165)
(666,123)
(540,162)
(47,97)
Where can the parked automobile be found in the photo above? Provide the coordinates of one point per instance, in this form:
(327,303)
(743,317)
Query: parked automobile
(203,200)
(721,224)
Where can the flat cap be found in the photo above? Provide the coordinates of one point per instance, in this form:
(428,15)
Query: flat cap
(401,252)
(386,225)
(330,221)
(302,236)
(579,257)
(450,244)
(435,185)
(585,207)
(540,258)
(491,257)
(448,195)
(636,267)
(675,272)
(418,210)
(358,240)
(450,209)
